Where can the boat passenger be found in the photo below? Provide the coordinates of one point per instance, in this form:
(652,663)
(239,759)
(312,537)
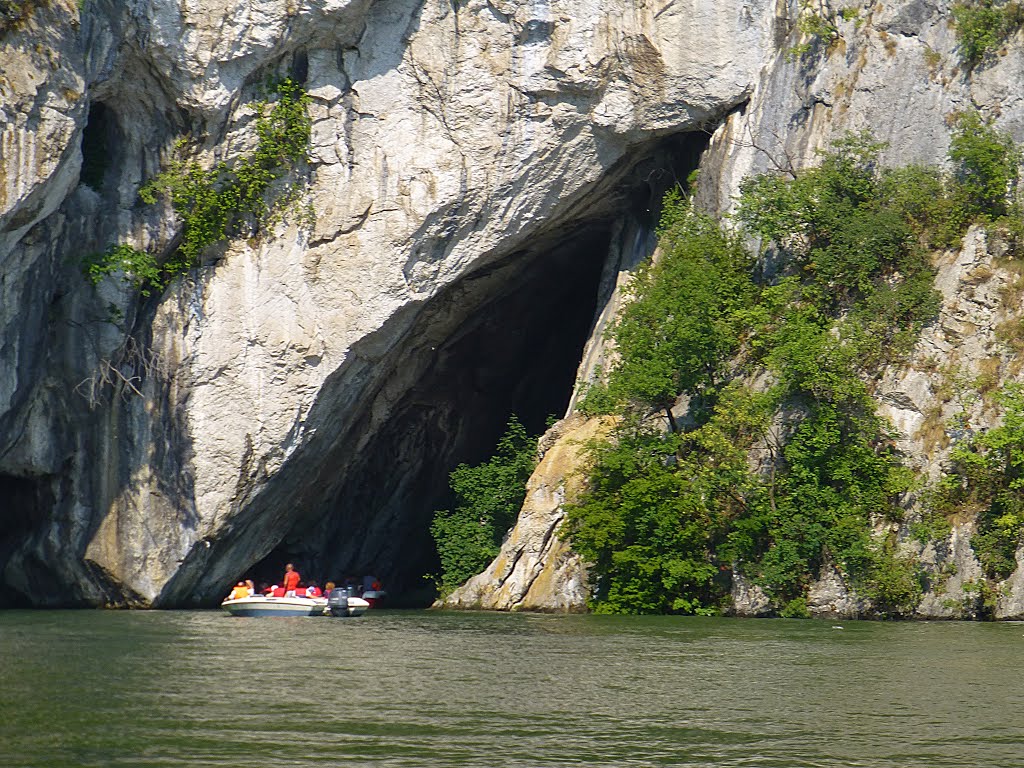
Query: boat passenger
(250,587)
(329,587)
(291,580)
(313,590)
(239,591)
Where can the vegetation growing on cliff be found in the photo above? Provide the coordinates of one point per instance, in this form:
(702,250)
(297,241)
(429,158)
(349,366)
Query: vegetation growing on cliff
(487,499)
(670,512)
(13,13)
(987,479)
(217,203)
(684,318)
(982,26)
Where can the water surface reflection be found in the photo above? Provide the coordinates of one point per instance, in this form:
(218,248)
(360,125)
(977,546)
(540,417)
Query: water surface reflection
(93,688)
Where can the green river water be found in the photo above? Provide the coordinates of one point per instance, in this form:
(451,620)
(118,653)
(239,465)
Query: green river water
(199,688)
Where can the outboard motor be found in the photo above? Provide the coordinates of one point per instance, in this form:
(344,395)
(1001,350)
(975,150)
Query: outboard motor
(337,602)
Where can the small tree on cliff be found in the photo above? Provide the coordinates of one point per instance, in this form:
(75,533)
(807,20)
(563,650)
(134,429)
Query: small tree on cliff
(682,319)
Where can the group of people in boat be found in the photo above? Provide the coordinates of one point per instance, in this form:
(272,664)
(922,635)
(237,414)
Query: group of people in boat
(291,585)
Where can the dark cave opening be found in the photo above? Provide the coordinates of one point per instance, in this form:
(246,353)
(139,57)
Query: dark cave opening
(516,353)
(25,503)
(100,140)
(510,342)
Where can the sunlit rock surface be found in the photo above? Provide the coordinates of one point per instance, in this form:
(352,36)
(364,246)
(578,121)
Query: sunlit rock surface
(453,147)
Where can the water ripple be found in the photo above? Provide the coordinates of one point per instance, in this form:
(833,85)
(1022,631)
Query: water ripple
(149,689)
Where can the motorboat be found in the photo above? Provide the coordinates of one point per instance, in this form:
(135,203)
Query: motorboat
(261,605)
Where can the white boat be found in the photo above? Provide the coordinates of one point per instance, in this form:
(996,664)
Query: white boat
(259,605)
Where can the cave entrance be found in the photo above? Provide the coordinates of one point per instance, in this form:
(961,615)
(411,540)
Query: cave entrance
(508,339)
(101,140)
(26,501)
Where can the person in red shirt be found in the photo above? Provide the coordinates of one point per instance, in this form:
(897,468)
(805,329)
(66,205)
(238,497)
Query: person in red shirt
(291,580)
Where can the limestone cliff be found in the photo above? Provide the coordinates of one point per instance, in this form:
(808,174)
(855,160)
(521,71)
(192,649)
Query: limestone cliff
(304,390)
(893,69)
(475,167)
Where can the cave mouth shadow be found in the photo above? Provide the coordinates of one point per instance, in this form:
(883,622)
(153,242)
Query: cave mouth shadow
(507,339)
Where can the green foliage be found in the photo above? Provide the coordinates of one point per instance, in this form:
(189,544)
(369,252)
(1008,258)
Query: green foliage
(815,28)
(683,318)
(488,499)
(795,609)
(932,524)
(987,479)
(215,204)
(137,268)
(667,516)
(986,165)
(895,583)
(816,25)
(657,505)
(982,26)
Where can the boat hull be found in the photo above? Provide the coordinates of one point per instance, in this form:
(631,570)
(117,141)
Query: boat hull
(357,606)
(259,606)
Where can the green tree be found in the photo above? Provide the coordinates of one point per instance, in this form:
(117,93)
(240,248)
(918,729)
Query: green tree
(986,166)
(682,319)
(657,505)
(488,499)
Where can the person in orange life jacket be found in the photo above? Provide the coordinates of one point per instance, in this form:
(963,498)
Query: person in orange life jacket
(291,580)
(239,591)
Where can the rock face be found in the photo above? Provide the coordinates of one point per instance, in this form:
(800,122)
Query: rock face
(306,390)
(537,570)
(892,69)
(303,394)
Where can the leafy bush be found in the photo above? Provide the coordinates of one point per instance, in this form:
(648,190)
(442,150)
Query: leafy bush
(137,268)
(213,203)
(488,499)
(986,165)
(659,503)
(983,25)
(987,479)
(817,28)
